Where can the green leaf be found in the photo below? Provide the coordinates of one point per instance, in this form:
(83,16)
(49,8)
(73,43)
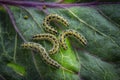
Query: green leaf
(69,1)
(100,26)
(93,68)
(17,68)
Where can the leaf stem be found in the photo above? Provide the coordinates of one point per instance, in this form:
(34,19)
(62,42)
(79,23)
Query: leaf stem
(13,22)
(45,11)
(52,5)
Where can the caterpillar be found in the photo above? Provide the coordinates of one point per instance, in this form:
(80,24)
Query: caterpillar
(73,33)
(50,18)
(43,53)
(45,56)
(49,37)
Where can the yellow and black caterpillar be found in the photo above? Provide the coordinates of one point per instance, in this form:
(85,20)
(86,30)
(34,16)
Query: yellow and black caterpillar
(45,56)
(53,39)
(53,17)
(43,53)
(73,33)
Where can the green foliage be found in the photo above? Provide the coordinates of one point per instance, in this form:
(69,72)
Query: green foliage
(99,25)
(17,68)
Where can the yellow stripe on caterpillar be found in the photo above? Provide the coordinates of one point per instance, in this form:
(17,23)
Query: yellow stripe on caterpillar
(43,53)
(50,18)
(53,39)
(73,33)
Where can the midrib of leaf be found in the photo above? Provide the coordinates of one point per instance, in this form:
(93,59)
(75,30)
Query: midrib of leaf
(90,26)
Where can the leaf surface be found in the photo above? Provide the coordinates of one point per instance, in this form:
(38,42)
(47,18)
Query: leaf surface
(100,26)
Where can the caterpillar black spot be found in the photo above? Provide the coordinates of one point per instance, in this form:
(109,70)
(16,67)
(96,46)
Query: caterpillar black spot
(43,53)
(50,18)
(73,33)
(50,38)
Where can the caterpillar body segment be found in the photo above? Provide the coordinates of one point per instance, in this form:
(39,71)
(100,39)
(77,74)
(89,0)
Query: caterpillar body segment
(43,53)
(53,39)
(73,33)
(53,17)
